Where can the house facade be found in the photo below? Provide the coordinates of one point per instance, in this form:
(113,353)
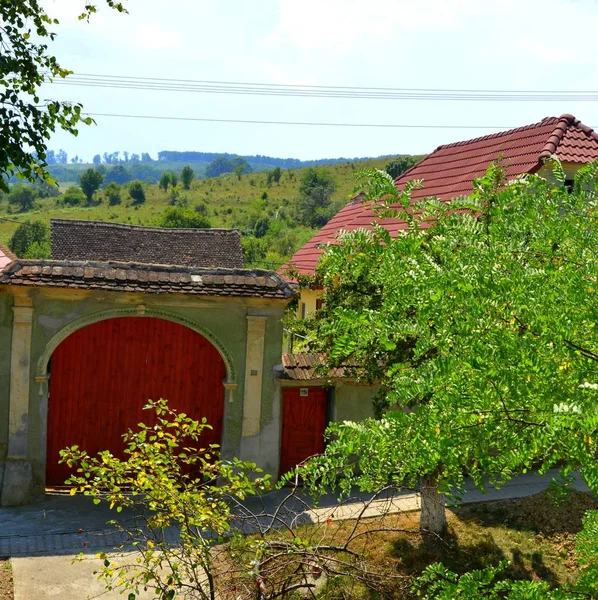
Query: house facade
(446,173)
(84,343)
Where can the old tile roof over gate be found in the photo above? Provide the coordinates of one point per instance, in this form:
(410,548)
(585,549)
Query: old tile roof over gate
(152,279)
(448,172)
(99,241)
(6,257)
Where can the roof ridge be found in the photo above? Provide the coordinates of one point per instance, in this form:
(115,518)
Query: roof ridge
(490,136)
(144,227)
(51,262)
(556,137)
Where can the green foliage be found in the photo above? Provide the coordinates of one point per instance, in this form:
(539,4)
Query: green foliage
(438,583)
(137,192)
(479,319)
(176,216)
(113,193)
(90,183)
(74,196)
(164,181)
(174,179)
(276,174)
(22,197)
(31,240)
(397,166)
(27,120)
(222,165)
(187,176)
(316,188)
(169,479)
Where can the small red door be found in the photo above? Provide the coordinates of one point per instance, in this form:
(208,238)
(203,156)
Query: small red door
(303,425)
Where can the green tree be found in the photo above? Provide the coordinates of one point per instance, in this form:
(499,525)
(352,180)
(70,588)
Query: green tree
(171,482)
(137,192)
(176,216)
(187,176)
(315,206)
(22,197)
(27,120)
(219,166)
(479,321)
(397,166)
(164,181)
(31,239)
(113,193)
(174,179)
(276,174)
(90,182)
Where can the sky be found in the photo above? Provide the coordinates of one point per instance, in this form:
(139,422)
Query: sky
(442,44)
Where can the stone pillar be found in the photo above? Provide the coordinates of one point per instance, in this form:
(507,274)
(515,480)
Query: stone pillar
(17,481)
(254,367)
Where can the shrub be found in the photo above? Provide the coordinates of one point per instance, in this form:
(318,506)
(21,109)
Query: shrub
(113,194)
(31,239)
(137,192)
(73,196)
(176,216)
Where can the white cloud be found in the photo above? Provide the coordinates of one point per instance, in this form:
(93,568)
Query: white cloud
(153,36)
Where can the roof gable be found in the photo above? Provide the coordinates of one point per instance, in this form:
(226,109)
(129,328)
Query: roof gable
(448,172)
(99,241)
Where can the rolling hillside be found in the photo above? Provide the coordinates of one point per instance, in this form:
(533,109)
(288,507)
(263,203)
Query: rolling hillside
(227,201)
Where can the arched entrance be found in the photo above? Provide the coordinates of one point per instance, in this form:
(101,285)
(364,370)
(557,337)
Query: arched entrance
(102,375)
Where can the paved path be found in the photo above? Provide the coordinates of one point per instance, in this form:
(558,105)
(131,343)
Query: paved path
(43,538)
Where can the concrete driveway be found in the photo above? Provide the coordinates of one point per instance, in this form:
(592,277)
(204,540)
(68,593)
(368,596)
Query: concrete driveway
(42,539)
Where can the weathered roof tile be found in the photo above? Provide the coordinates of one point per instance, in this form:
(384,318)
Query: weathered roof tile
(100,241)
(155,279)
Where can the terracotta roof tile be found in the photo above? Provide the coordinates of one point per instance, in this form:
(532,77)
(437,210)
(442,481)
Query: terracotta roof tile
(304,367)
(448,172)
(140,277)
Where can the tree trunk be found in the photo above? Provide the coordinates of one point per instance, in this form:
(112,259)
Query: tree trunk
(433,514)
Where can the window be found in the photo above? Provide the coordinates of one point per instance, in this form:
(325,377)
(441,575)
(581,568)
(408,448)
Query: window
(319,303)
(303,310)
(569,183)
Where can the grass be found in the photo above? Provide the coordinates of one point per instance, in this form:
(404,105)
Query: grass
(6,583)
(536,536)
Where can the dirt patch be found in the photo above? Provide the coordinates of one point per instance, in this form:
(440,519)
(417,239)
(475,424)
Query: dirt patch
(6,584)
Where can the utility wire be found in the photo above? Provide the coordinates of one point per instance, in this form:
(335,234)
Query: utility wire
(305,123)
(313,91)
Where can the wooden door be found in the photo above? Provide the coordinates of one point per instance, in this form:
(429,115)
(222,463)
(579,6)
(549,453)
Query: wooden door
(303,425)
(103,374)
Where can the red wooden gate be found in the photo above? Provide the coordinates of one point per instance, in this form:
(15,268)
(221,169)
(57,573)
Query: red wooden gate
(303,425)
(103,374)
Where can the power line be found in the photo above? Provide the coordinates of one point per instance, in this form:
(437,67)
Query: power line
(294,90)
(301,123)
(336,86)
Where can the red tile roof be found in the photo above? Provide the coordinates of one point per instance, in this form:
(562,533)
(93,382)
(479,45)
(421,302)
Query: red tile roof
(6,257)
(448,172)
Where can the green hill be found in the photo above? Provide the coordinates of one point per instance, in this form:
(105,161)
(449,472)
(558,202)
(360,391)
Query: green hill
(227,201)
